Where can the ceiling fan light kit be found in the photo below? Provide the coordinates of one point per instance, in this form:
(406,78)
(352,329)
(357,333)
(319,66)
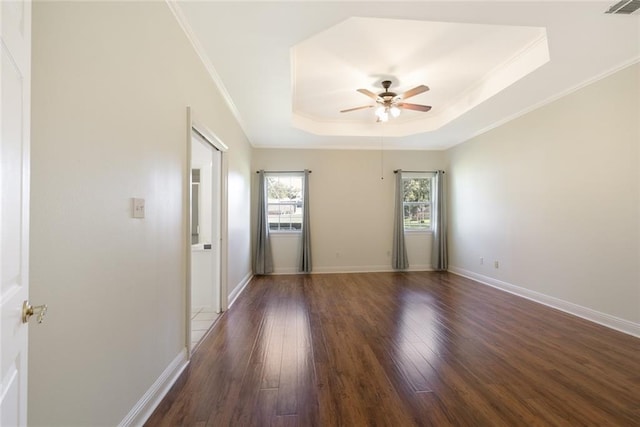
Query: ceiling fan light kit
(383,112)
(390,103)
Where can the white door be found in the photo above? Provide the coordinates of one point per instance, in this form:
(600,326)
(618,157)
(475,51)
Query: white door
(15,76)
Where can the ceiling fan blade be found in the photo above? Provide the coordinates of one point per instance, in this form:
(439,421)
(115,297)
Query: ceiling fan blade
(370,94)
(356,108)
(416,107)
(415,91)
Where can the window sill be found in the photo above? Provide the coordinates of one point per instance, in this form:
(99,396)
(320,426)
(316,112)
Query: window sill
(418,232)
(284,234)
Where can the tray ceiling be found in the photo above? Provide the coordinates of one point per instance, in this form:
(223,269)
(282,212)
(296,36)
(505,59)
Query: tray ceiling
(288,67)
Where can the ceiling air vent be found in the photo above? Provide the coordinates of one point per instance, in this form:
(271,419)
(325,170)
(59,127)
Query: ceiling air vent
(624,7)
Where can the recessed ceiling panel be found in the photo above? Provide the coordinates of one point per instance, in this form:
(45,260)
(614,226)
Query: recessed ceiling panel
(463,65)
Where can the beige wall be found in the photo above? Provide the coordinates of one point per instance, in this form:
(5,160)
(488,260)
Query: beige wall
(554,196)
(351,207)
(111,83)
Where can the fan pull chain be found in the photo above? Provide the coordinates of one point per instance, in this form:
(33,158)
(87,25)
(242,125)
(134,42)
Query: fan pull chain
(382,157)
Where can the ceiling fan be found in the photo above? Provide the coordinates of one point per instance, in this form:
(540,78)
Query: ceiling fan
(390,103)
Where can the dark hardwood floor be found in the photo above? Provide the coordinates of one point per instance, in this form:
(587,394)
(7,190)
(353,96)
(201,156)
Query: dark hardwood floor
(402,349)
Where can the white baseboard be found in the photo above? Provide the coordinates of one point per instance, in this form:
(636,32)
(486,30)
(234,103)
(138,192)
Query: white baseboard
(603,319)
(235,293)
(353,269)
(152,398)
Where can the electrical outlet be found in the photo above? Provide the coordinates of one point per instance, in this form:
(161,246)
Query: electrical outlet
(496,264)
(481,261)
(138,208)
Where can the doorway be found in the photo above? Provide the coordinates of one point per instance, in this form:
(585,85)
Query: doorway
(205,252)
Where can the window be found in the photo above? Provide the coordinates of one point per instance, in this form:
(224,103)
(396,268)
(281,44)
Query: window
(417,201)
(284,201)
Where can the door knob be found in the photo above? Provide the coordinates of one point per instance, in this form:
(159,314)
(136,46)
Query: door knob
(29,310)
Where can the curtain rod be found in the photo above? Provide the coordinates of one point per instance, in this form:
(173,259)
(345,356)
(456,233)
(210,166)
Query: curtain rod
(398,170)
(282,171)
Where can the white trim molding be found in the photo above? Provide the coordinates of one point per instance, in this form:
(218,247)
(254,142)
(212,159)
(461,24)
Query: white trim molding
(240,287)
(352,269)
(598,317)
(152,398)
(177,12)
(553,98)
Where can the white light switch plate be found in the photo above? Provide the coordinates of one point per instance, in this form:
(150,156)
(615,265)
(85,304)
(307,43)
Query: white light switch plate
(138,208)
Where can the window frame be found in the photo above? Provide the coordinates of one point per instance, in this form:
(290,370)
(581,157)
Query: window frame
(297,203)
(418,175)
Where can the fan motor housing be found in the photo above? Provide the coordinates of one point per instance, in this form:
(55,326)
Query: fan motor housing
(386,84)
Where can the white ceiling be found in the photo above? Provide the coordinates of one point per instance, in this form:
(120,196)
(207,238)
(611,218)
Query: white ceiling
(287,68)
(328,66)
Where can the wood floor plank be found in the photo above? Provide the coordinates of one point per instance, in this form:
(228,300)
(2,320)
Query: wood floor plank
(402,349)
